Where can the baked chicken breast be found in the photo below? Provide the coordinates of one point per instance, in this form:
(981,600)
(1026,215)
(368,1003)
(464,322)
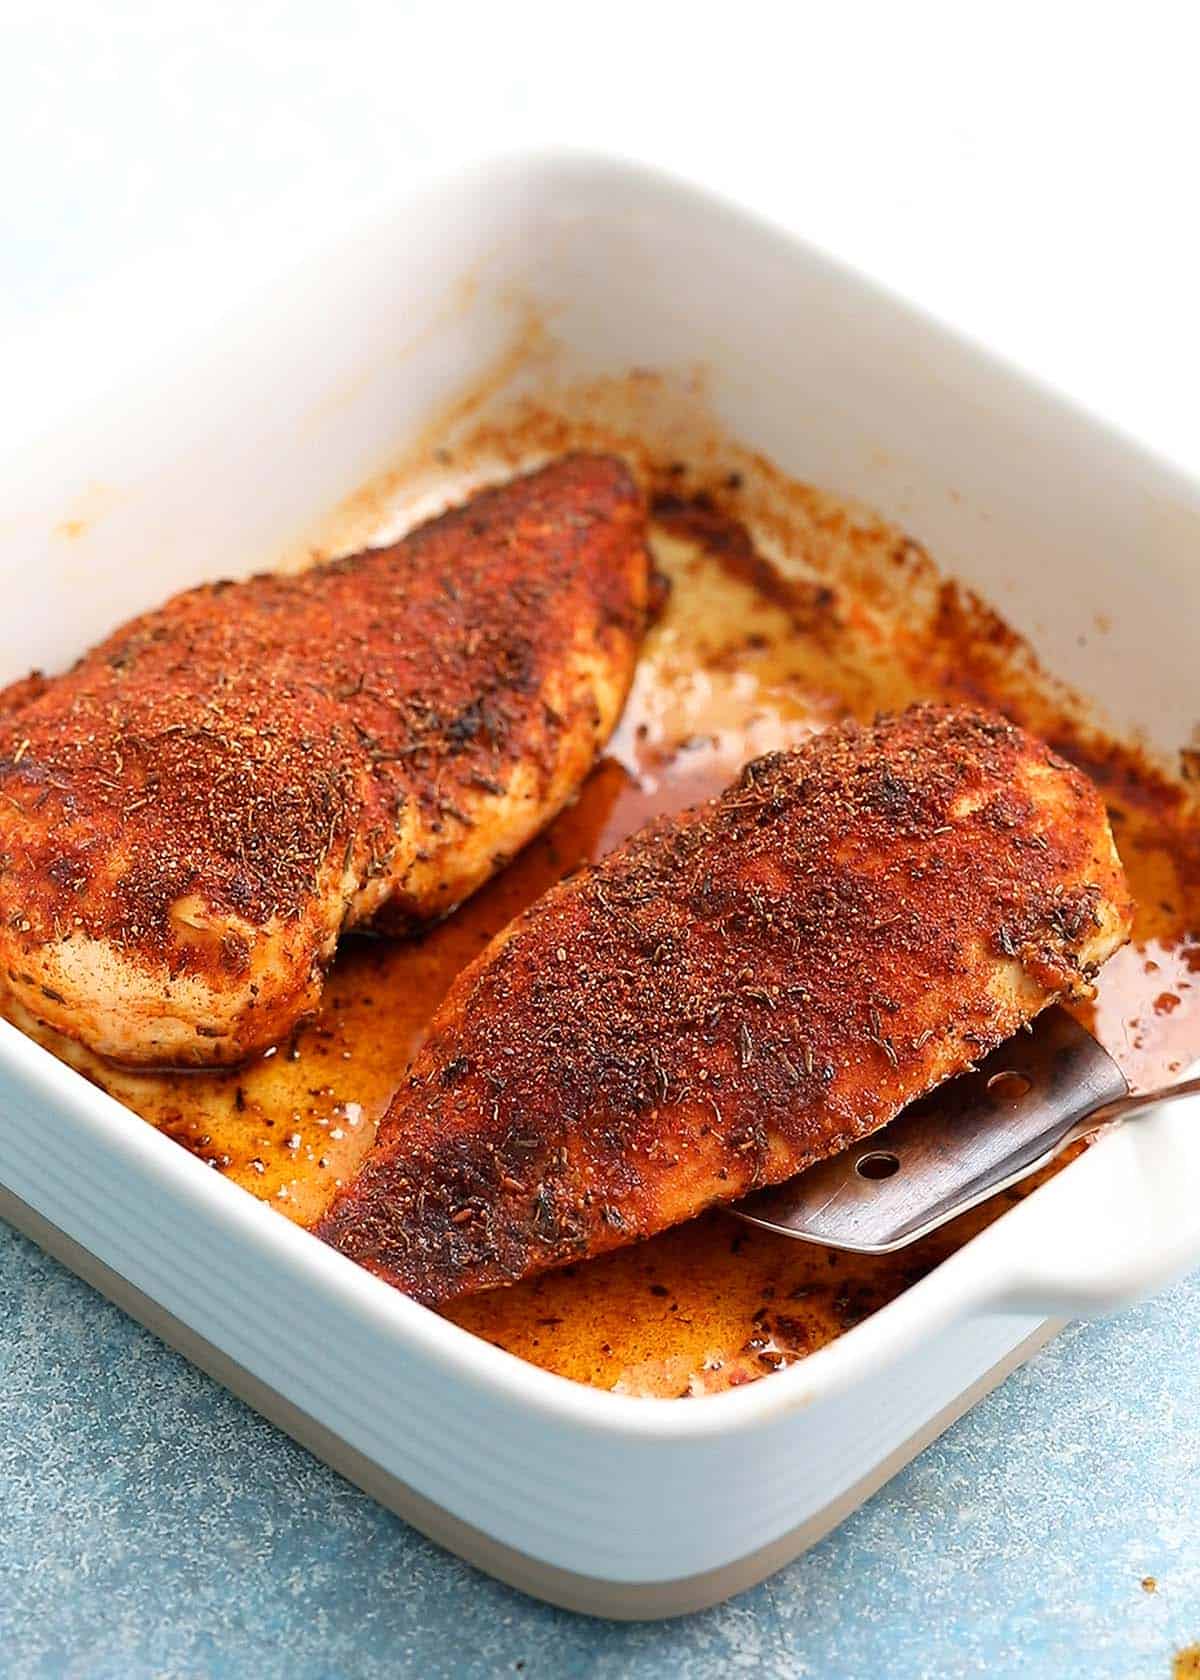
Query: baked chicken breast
(192,814)
(737,993)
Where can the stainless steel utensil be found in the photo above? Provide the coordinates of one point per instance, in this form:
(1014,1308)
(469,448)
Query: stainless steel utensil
(964,1142)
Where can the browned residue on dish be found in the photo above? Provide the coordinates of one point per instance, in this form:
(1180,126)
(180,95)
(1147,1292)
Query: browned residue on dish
(727,673)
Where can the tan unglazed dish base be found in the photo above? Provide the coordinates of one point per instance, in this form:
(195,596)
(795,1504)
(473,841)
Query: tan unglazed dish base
(588,1595)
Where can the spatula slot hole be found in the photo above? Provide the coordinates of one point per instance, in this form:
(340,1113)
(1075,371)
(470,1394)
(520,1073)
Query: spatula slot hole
(1009,1086)
(880,1163)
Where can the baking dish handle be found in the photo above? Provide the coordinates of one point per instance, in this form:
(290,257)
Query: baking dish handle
(1092,1285)
(1121,1223)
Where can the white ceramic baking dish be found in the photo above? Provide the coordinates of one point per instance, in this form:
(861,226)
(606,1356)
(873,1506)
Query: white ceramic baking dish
(201,425)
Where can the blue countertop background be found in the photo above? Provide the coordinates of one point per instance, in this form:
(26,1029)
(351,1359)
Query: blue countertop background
(154,1527)
(149,1524)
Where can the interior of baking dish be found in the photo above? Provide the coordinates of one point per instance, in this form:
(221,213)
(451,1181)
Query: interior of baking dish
(833,547)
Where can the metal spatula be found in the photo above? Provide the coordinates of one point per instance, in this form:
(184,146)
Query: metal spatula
(970,1138)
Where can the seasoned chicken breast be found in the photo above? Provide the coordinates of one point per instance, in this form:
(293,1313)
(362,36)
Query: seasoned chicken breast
(736,994)
(192,814)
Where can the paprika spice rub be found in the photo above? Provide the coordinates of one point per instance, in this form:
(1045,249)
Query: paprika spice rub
(192,814)
(736,993)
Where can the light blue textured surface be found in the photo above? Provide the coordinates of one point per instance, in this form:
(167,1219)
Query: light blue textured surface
(149,1524)
(152,1526)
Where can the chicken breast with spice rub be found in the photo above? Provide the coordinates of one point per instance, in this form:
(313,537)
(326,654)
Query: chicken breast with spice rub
(192,814)
(736,994)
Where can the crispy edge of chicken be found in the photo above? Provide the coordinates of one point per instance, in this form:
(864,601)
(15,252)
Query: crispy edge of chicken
(193,813)
(736,994)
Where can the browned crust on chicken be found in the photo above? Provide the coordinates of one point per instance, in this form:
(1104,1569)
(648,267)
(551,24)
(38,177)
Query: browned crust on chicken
(736,994)
(192,814)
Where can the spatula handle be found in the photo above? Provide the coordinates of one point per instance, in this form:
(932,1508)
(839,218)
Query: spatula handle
(1110,1113)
